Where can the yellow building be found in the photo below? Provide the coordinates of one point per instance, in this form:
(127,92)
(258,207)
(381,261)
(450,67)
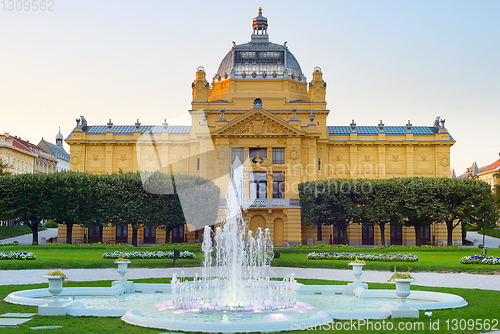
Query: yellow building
(261,108)
(488,173)
(14,156)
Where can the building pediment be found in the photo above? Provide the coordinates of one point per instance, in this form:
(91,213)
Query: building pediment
(257,122)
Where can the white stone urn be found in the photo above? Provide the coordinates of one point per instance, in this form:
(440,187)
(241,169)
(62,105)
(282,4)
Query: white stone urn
(122,270)
(403,290)
(55,288)
(357,270)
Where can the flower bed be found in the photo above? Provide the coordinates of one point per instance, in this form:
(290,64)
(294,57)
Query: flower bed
(478,259)
(364,257)
(322,246)
(95,245)
(17,256)
(419,248)
(148,255)
(15,243)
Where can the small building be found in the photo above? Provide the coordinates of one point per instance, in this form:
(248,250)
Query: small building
(14,156)
(57,150)
(489,173)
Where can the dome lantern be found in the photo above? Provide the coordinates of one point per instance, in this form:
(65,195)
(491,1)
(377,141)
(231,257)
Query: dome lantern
(260,24)
(259,59)
(59,138)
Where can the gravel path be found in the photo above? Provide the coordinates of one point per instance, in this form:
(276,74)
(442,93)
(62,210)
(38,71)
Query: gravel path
(452,280)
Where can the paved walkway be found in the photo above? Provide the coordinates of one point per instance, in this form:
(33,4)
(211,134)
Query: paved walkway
(490,242)
(453,280)
(27,239)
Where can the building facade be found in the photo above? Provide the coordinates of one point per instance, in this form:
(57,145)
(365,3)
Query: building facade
(260,108)
(14,156)
(58,151)
(489,173)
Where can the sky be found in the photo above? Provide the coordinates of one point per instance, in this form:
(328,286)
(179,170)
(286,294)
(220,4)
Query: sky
(389,60)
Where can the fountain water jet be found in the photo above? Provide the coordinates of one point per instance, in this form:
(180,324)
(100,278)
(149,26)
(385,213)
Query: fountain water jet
(237,281)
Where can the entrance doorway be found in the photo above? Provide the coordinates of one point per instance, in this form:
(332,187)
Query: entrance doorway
(95,233)
(367,234)
(178,234)
(149,234)
(425,235)
(396,234)
(338,235)
(121,234)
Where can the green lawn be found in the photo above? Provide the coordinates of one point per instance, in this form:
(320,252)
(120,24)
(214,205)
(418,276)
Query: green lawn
(429,260)
(62,256)
(480,307)
(14,231)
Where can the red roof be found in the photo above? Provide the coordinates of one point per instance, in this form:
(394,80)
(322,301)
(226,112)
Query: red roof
(18,143)
(493,166)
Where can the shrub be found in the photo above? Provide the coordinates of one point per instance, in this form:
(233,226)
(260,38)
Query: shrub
(277,254)
(51,224)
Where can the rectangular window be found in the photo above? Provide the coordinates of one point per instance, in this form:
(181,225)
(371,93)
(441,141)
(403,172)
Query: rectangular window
(256,154)
(319,164)
(258,185)
(278,155)
(198,164)
(279,185)
(237,152)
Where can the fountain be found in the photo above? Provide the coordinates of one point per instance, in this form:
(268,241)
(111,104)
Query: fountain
(237,281)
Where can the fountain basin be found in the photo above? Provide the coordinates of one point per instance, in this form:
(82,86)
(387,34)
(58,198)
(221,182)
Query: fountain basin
(147,305)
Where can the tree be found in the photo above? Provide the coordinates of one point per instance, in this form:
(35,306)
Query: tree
(481,208)
(6,205)
(417,201)
(497,192)
(25,197)
(181,199)
(126,204)
(311,210)
(165,209)
(2,171)
(378,203)
(333,201)
(451,208)
(73,200)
